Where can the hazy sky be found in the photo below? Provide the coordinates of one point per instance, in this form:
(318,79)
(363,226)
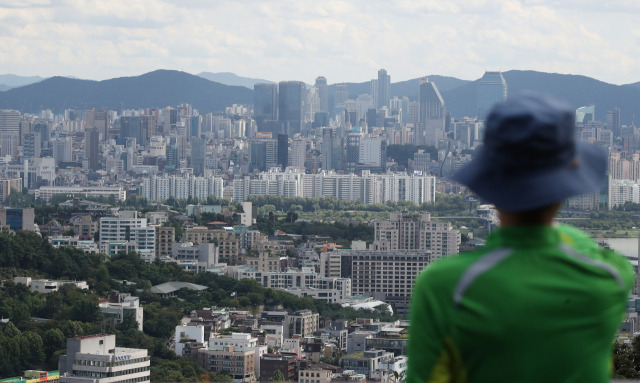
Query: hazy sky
(301,39)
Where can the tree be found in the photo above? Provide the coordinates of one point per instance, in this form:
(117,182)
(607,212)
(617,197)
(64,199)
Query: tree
(53,340)
(278,377)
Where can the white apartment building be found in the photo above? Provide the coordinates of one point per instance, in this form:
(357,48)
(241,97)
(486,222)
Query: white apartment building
(128,227)
(406,232)
(159,188)
(368,188)
(621,191)
(47,192)
(96,359)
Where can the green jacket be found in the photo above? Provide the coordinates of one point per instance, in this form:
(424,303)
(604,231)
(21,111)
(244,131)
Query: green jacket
(536,304)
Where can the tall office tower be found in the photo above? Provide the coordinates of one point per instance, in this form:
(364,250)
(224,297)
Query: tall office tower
(373,154)
(198,153)
(373,89)
(194,127)
(31,145)
(92,147)
(265,104)
(44,130)
(331,149)
(290,96)
(263,153)
(364,102)
(147,128)
(352,152)
(613,121)
(131,127)
(311,104)
(491,88)
(340,95)
(98,119)
(62,150)
(432,114)
(298,153)
(323,93)
(384,85)
(9,145)
(283,150)
(173,158)
(9,122)
(585,114)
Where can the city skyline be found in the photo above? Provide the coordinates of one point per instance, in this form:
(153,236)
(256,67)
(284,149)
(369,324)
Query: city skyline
(343,41)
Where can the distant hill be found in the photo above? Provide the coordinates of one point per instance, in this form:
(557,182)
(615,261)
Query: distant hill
(577,90)
(228,78)
(154,89)
(8,81)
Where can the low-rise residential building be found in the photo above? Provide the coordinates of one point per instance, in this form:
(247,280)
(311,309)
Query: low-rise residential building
(117,307)
(45,286)
(366,362)
(270,363)
(228,244)
(83,226)
(195,258)
(266,261)
(165,237)
(239,364)
(186,336)
(301,323)
(240,342)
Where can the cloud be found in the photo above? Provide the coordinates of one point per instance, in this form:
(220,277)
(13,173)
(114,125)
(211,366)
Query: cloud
(299,40)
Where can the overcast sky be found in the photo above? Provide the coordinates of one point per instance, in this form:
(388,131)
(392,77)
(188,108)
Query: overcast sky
(301,39)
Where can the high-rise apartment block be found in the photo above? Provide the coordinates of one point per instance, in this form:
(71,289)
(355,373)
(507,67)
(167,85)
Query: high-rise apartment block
(406,232)
(384,275)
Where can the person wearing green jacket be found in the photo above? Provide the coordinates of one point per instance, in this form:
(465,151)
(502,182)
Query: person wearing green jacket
(540,302)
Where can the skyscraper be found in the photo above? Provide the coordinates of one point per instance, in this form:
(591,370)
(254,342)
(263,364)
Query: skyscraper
(98,119)
(491,89)
(9,122)
(31,145)
(283,150)
(291,94)
(432,114)
(331,149)
(323,93)
(265,104)
(92,148)
(198,152)
(613,121)
(341,95)
(384,83)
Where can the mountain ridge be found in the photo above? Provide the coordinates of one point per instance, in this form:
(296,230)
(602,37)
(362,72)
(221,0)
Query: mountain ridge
(161,88)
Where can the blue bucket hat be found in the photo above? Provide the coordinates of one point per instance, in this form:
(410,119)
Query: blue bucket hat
(530,158)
